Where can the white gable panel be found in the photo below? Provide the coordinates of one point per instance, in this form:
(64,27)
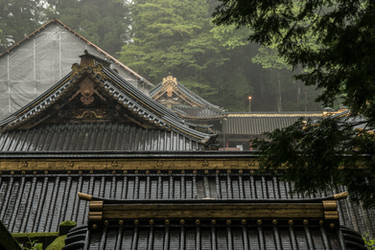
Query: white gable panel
(38,63)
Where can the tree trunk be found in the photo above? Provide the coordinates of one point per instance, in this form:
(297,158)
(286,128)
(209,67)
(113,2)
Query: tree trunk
(279,101)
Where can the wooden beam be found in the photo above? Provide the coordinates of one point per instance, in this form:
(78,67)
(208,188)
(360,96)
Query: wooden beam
(220,211)
(127,164)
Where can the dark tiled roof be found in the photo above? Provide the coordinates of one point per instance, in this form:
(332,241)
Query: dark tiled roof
(52,198)
(94,137)
(259,123)
(197,112)
(118,89)
(206,236)
(202,109)
(196,98)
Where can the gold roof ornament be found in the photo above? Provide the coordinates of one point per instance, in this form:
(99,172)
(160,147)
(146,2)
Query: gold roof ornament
(169,83)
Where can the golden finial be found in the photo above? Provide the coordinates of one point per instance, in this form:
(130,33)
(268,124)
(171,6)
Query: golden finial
(169,83)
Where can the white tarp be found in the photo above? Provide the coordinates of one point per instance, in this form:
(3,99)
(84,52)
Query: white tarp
(37,64)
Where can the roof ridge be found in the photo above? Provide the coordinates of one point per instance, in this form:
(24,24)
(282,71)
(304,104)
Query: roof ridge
(337,196)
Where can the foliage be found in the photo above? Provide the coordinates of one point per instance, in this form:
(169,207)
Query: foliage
(340,62)
(161,37)
(68,223)
(34,240)
(57,244)
(32,245)
(312,155)
(103,22)
(17,19)
(230,36)
(178,37)
(369,243)
(175,37)
(35,235)
(170,36)
(286,96)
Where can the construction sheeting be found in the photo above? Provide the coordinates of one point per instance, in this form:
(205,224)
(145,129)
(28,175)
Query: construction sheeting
(38,63)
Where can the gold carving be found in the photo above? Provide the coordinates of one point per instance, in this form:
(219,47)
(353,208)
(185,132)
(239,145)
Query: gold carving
(96,205)
(330,205)
(83,196)
(75,69)
(340,196)
(87,91)
(169,83)
(159,164)
(95,216)
(90,114)
(331,215)
(163,164)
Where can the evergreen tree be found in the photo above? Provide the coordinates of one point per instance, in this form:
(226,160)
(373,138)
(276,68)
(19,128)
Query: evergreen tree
(103,22)
(341,63)
(277,85)
(173,37)
(17,19)
(178,37)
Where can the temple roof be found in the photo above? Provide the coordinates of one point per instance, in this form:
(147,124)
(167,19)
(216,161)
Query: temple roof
(183,101)
(257,123)
(254,237)
(94,137)
(42,196)
(93,108)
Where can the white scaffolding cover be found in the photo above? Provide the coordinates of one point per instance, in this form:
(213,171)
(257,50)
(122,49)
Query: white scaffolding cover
(39,62)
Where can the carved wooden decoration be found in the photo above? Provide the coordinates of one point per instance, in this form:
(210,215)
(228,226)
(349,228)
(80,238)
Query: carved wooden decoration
(87,91)
(169,84)
(90,114)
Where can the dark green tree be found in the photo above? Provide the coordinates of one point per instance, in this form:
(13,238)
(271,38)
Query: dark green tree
(178,37)
(17,19)
(341,63)
(174,37)
(282,90)
(103,22)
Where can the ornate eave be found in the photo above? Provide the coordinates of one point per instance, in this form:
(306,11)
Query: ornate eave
(172,94)
(91,81)
(322,209)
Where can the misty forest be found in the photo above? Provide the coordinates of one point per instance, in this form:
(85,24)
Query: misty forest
(161,37)
(187,124)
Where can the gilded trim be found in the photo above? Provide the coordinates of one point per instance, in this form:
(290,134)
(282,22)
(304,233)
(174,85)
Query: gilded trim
(126,164)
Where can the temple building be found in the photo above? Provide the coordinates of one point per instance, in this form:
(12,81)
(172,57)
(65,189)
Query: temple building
(34,64)
(135,174)
(184,102)
(235,130)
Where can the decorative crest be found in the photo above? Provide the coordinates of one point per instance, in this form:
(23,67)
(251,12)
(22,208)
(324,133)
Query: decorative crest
(169,83)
